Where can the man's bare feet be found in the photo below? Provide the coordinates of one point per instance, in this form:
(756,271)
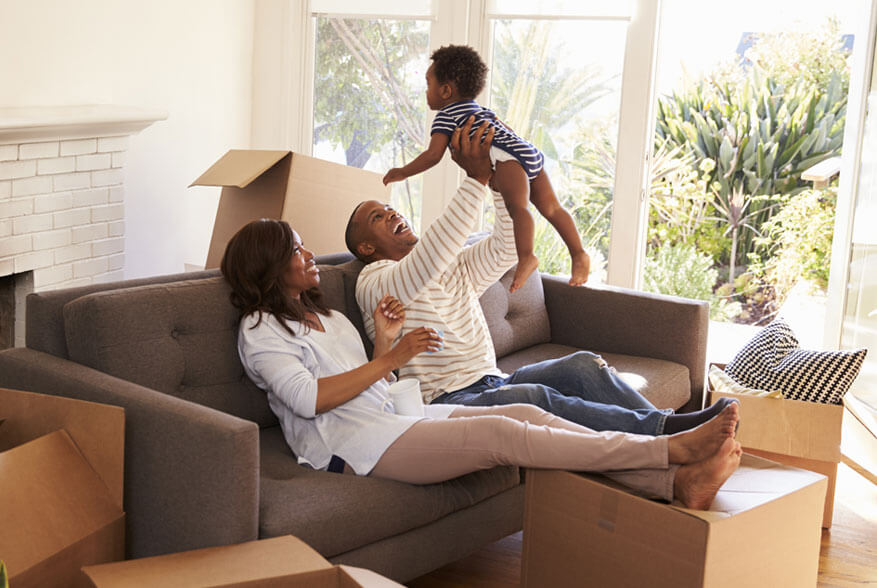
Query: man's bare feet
(581,267)
(696,484)
(526,266)
(701,442)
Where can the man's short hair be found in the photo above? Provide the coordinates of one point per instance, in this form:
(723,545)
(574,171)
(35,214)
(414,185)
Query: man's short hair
(353,234)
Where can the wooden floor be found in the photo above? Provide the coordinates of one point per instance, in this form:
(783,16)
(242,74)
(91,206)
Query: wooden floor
(848,556)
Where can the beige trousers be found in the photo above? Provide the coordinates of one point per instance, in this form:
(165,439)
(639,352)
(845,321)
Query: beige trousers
(481,437)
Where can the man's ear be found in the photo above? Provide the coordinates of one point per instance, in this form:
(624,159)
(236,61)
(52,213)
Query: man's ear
(365,249)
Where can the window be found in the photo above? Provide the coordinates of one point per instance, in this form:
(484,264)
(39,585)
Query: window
(369,109)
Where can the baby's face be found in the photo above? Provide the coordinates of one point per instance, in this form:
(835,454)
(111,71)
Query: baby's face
(434,91)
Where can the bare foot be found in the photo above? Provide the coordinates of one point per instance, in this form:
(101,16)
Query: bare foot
(526,266)
(696,484)
(581,267)
(701,442)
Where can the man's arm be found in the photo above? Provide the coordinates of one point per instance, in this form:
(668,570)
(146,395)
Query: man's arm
(444,240)
(490,258)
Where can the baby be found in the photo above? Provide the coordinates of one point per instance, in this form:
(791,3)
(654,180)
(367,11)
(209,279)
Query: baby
(453,80)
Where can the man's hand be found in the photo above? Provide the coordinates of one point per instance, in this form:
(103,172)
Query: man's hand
(472,154)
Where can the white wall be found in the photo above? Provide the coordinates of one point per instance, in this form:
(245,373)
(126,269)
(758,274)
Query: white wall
(191,58)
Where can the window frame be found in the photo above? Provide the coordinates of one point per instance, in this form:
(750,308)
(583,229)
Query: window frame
(282,118)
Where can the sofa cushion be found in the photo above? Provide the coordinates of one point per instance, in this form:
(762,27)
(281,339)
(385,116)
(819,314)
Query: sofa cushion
(664,383)
(314,505)
(178,338)
(518,320)
(44,327)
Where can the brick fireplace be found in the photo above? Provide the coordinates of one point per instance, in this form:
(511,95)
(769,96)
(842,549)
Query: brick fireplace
(62,192)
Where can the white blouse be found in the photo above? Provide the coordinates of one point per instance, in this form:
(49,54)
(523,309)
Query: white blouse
(287,367)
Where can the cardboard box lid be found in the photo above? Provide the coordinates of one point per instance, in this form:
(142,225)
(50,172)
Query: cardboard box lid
(239,167)
(756,482)
(213,566)
(791,427)
(98,430)
(50,499)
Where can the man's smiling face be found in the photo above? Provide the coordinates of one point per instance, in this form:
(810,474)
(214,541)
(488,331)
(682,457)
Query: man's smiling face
(384,233)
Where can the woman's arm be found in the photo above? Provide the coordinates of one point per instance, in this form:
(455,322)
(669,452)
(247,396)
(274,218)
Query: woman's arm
(336,390)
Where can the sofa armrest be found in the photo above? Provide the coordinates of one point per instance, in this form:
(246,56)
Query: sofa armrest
(191,472)
(620,320)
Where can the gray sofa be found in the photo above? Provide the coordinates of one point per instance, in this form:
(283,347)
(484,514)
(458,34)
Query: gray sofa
(206,463)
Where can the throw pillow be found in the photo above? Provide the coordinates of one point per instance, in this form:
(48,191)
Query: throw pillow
(773,360)
(724,384)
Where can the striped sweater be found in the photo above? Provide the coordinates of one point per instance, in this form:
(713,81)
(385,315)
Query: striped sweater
(439,283)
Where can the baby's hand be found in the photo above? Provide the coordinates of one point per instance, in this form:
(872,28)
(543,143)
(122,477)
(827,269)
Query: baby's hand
(394,175)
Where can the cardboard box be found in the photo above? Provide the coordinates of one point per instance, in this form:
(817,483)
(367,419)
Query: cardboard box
(316,197)
(61,467)
(801,434)
(585,530)
(282,561)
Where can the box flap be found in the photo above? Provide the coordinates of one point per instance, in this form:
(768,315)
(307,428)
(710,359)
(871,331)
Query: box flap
(756,482)
(227,565)
(50,498)
(792,427)
(368,578)
(98,430)
(239,167)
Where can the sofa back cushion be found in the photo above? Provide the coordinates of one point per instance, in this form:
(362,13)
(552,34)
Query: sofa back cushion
(519,320)
(44,327)
(179,338)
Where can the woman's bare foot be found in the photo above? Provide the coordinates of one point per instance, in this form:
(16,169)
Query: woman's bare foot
(581,267)
(696,484)
(703,441)
(526,266)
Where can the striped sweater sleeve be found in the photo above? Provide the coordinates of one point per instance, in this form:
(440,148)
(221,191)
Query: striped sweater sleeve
(436,251)
(490,258)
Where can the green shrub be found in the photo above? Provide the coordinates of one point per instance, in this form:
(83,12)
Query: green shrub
(680,270)
(761,125)
(796,242)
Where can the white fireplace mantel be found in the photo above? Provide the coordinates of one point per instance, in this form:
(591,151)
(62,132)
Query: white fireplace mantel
(38,123)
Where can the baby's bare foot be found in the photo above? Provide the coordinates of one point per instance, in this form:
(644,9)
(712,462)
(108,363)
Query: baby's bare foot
(581,267)
(696,484)
(526,266)
(703,441)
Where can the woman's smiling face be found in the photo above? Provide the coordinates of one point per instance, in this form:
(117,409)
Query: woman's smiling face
(302,273)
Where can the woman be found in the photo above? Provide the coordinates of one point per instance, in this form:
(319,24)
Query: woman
(327,395)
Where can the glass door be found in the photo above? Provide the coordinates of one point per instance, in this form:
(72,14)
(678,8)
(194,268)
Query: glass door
(556,76)
(750,105)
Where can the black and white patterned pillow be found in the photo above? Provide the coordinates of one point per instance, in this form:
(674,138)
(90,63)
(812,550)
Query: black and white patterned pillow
(773,360)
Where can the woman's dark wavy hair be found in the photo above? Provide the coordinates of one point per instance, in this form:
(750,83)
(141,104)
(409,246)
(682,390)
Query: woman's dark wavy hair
(462,65)
(254,262)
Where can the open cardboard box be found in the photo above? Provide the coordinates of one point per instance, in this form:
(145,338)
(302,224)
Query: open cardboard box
(282,561)
(797,433)
(316,197)
(61,467)
(585,530)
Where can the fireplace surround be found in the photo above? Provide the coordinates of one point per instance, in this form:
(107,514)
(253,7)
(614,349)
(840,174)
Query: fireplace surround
(62,192)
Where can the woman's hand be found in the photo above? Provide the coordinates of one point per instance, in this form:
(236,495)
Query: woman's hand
(417,341)
(389,317)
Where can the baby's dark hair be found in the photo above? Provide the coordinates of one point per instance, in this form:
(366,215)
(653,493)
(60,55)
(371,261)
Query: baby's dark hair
(461,65)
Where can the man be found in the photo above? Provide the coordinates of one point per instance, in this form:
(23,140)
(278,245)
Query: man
(439,281)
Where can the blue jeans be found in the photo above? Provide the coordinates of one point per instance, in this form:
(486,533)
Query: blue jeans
(580,387)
